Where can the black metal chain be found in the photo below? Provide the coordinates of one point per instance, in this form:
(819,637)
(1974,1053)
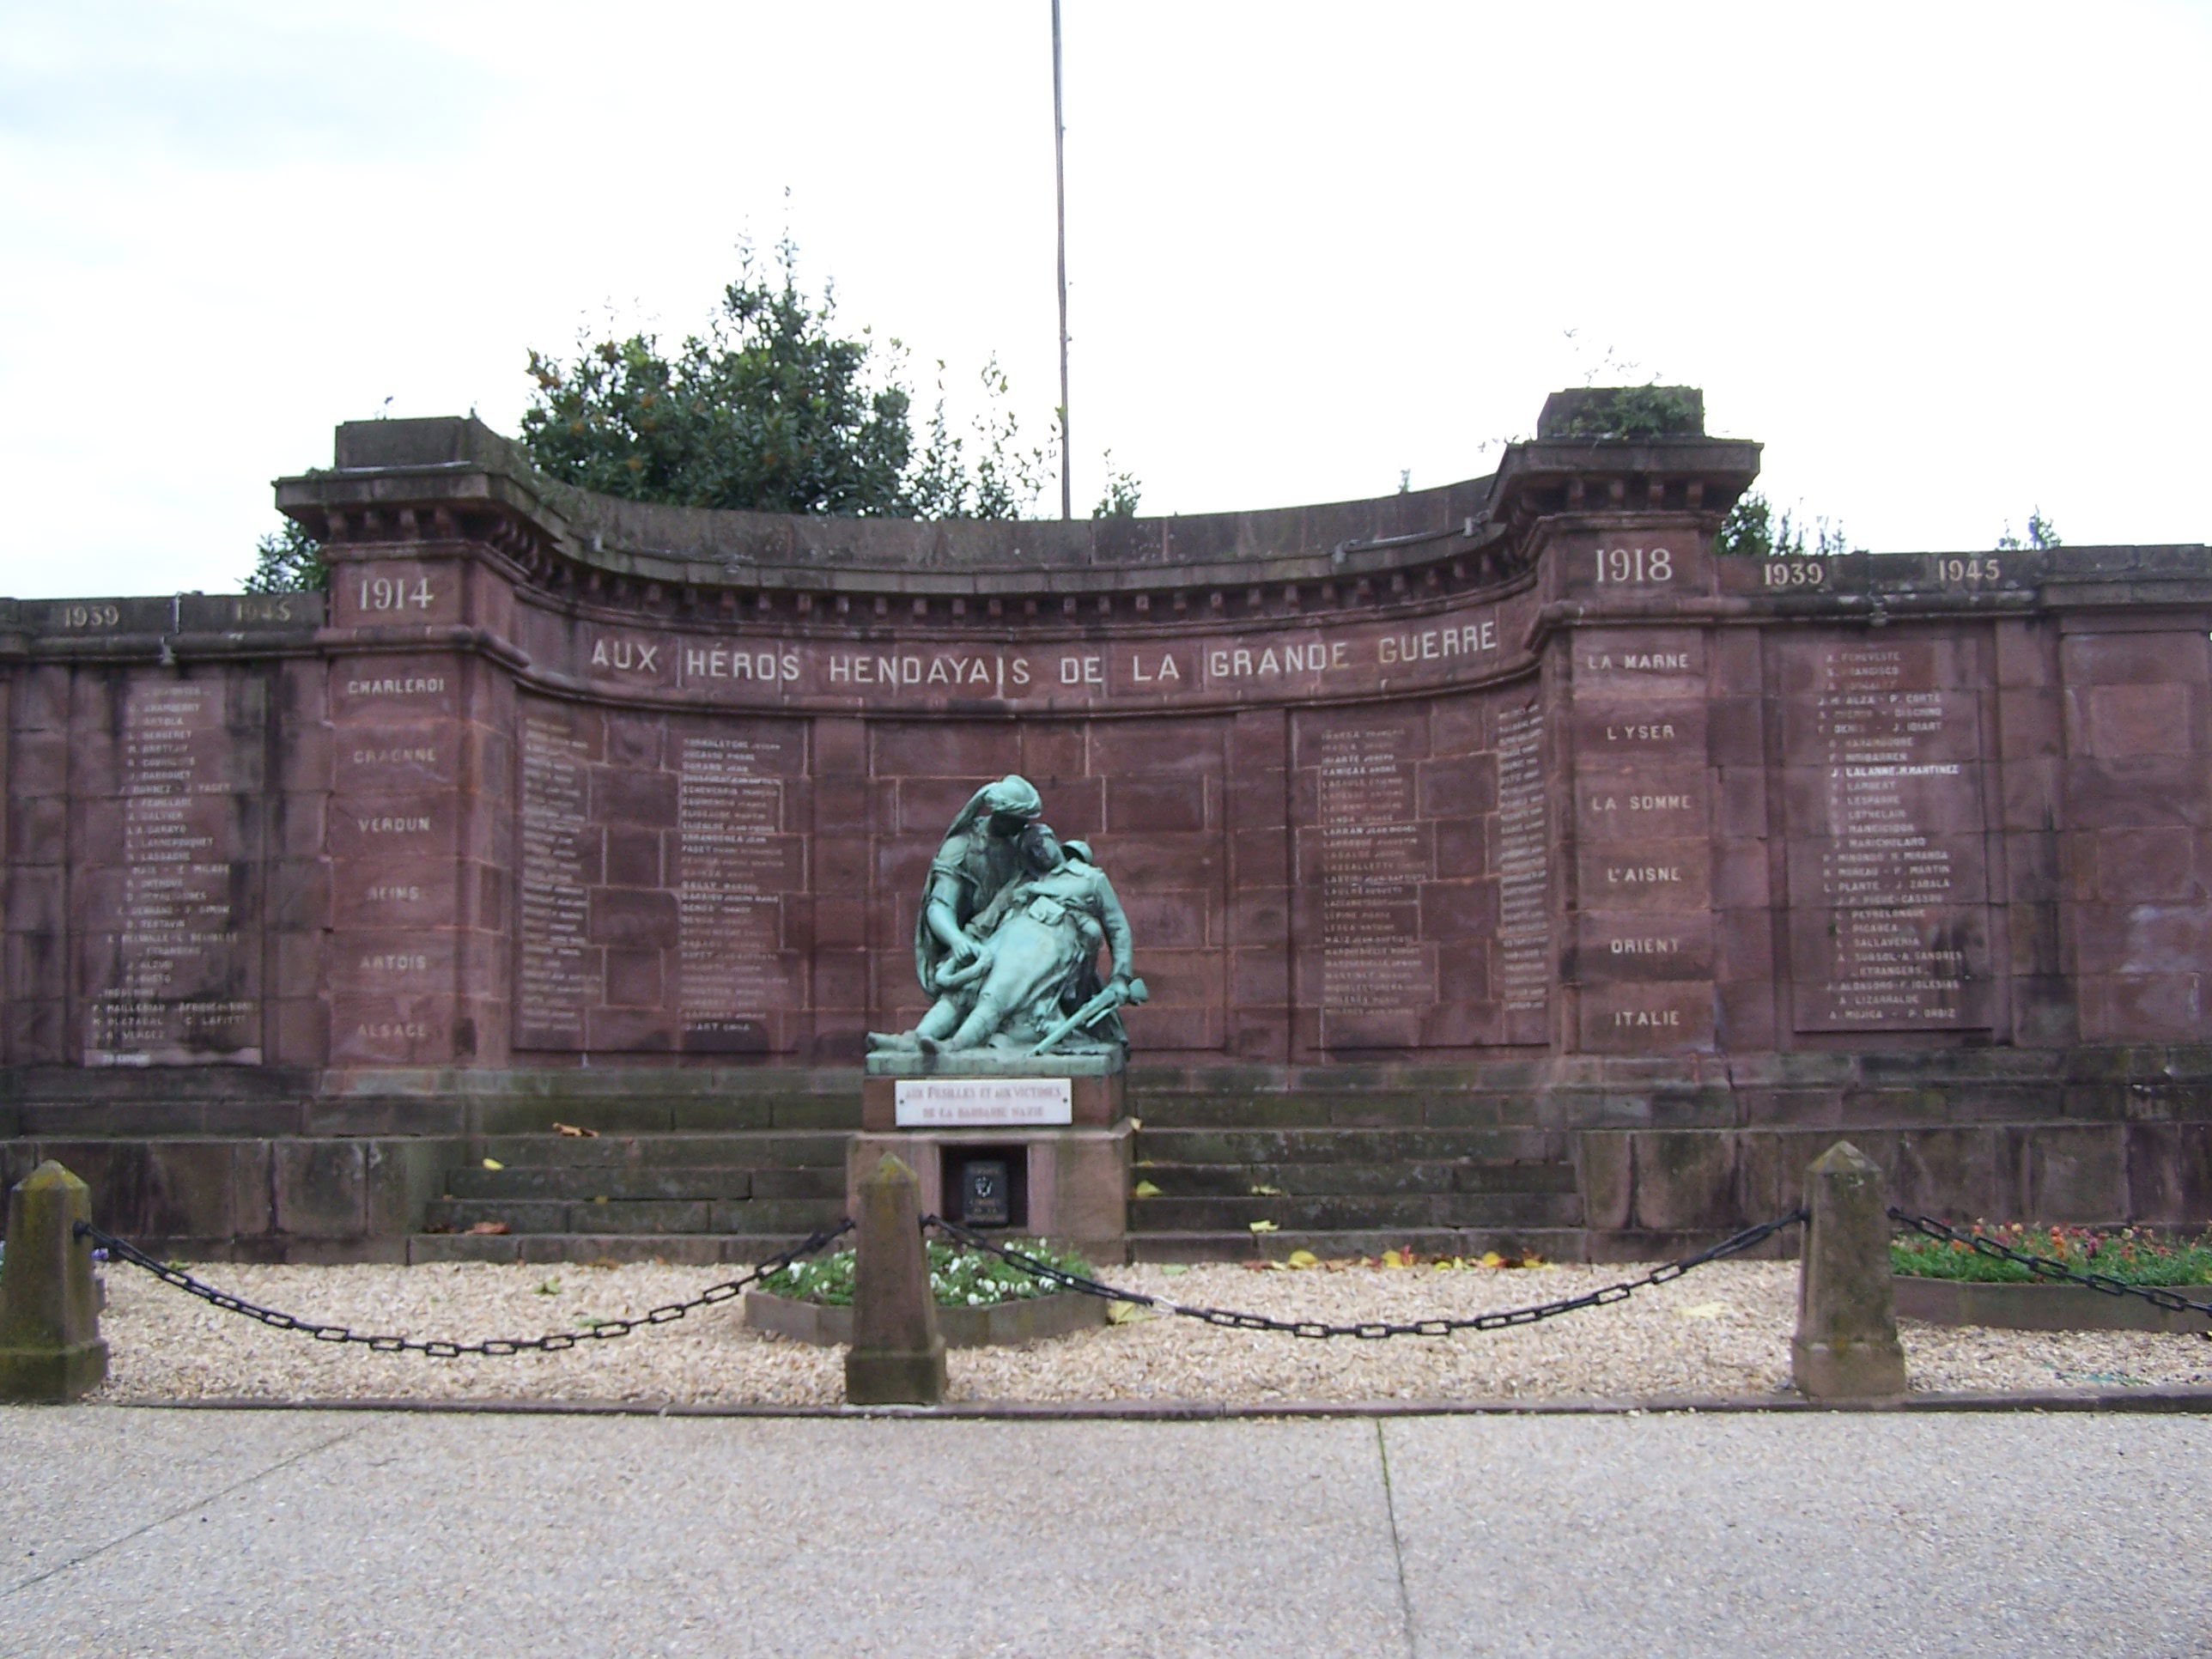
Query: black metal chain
(2046,1266)
(493,1347)
(1373,1330)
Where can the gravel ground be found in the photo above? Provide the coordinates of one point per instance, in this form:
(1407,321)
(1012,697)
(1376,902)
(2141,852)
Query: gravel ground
(1723,1330)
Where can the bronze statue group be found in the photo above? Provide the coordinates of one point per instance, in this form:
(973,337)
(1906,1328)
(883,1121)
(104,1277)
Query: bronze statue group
(1007,940)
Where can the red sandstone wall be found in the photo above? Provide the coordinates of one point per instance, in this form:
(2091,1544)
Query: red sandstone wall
(1635,802)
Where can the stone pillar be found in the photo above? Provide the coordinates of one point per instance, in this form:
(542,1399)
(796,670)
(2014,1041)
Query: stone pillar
(50,1344)
(897,1356)
(1638,730)
(1846,1345)
(421,835)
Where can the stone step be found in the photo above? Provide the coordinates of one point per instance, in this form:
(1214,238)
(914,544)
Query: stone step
(1357,1211)
(644,1113)
(763,1150)
(704,1249)
(588,1181)
(1552,1244)
(1381,1109)
(1312,1178)
(638,1215)
(1346,1145)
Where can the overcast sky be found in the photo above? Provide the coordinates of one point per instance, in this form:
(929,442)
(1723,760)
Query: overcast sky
(1948,262)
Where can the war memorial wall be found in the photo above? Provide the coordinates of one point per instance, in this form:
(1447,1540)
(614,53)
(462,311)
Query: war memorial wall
(1512,801)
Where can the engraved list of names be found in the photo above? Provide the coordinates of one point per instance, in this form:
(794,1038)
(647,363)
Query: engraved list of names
(732,873)
(560,976)
(1373,860)
(1887,917)
(1523,864)
(181,973)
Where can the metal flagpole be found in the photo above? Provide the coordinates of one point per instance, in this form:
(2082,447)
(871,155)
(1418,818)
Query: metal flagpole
(1059,203)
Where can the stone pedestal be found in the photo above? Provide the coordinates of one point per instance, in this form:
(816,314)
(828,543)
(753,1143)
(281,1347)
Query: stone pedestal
(1069,1180)
(897,1356)
(1846,1345)
(51,1348)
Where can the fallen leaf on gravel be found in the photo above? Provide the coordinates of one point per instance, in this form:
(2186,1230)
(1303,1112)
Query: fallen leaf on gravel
(1491,1259)
(489,1227)
(1145,1190)
(1304,1259)
(560,1128)
(1173,1269)
(1124,1313)
(1265,1226)
(1397,1258)
(494,1163)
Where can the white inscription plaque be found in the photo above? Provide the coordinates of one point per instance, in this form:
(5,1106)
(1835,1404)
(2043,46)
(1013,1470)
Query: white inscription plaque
(981,1102)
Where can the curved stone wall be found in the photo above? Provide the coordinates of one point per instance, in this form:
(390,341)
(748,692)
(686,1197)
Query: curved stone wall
(1510,788)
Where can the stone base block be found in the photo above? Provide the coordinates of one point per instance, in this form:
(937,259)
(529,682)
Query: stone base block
(883,1377)
(51,1377)
(1075,1183)
(1847,1370)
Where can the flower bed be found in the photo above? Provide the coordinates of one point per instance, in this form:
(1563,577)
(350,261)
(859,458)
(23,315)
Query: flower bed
(1948,1283)
(2134,1255)
(961,1277)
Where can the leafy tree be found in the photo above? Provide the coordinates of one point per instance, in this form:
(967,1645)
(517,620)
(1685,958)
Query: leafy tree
(289,560)
(776,409)
(1007,478)
(771,408)
(2041,533)
(1754,529)
(1119,499)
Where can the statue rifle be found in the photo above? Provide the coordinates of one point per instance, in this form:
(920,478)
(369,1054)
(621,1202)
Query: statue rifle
(1104,1003)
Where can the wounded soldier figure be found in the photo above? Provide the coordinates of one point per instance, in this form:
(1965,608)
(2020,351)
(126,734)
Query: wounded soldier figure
(1032,963)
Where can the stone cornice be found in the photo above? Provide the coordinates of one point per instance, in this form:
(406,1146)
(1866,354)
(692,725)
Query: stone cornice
(402,483)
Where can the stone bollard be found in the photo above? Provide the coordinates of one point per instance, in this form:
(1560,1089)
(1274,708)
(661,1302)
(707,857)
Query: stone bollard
(50,1345)
(1846,1345)
(897,1356)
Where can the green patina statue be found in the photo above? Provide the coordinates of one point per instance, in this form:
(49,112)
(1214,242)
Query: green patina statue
(1008,937)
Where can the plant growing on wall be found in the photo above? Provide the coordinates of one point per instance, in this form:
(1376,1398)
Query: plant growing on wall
(2041,533)
(1628,412)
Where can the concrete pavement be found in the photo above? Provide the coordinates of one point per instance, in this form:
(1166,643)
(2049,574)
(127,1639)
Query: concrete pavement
(130,1532)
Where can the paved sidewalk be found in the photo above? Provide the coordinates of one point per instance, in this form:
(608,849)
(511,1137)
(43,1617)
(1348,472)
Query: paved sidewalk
(128,1532)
